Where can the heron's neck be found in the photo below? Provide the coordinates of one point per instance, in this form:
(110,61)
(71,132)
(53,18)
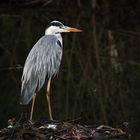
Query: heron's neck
(59,37)
(50,31)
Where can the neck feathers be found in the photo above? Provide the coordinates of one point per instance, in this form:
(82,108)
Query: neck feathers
(52,31)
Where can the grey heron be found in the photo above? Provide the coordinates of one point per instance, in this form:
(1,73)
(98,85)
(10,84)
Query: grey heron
(43,63)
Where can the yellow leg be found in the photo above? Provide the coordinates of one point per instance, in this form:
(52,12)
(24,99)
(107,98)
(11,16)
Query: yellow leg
(32,108)
(48,99)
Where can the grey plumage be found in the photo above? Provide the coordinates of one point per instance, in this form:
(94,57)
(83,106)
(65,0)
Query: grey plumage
(43,60)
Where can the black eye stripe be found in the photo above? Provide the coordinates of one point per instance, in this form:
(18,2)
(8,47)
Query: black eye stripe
(58,24)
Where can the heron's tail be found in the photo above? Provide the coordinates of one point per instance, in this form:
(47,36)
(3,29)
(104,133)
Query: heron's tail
(27,92)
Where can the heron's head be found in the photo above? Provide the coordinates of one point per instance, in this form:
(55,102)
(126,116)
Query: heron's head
(56,27)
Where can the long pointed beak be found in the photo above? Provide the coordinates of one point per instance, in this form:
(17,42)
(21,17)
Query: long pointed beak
(70,29)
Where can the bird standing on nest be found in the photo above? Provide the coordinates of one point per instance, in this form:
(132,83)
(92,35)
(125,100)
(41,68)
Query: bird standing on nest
(43,62)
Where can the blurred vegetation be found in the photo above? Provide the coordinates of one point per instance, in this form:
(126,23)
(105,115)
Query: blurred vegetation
(100,72)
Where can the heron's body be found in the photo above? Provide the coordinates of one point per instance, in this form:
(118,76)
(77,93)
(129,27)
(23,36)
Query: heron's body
(43,62)
(38,66)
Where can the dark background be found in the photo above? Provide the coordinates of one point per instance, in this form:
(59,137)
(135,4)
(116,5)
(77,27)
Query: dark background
(99,77)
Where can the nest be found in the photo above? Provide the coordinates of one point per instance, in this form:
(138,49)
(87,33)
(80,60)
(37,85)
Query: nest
(59,130)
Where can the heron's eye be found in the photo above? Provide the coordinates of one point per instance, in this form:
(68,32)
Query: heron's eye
(61,26)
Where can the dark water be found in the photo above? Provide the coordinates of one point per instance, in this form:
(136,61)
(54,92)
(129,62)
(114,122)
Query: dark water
(100,71)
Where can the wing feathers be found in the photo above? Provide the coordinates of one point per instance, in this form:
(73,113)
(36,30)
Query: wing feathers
(43,60)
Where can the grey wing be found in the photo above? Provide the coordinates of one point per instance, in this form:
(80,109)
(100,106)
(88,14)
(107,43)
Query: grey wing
(43,60)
